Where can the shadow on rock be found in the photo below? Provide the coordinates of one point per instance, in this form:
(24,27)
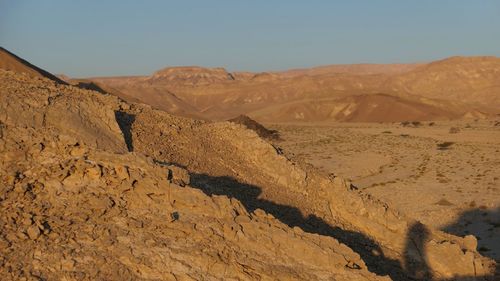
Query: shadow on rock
(415,258)
(415,266)
(125,122)
(247,194)
(484,224)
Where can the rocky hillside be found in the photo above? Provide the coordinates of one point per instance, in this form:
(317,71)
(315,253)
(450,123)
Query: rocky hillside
(90,182)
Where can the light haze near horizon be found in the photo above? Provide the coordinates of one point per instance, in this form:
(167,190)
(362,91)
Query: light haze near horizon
(107,38)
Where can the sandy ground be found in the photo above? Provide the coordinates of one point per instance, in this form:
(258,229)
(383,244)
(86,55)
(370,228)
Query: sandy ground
(454,188)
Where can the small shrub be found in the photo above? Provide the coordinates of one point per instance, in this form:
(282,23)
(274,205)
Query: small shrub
(444,202)
(412,123)
(386,132)
(444,145)
(415,123)
(483,249)
(454,130)
(431,124)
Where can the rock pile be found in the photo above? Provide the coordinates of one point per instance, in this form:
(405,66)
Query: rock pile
(251,124)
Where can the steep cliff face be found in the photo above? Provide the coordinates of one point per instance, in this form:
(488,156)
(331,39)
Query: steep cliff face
(191,75)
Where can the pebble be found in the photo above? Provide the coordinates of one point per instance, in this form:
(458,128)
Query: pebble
(33,232)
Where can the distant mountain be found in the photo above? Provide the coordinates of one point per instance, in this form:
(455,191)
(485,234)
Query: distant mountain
(191,75)
(456,87)
(356,108)
(358,69)
(447,89)
(472,80)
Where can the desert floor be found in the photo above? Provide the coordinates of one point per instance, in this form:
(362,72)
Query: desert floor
(445,174)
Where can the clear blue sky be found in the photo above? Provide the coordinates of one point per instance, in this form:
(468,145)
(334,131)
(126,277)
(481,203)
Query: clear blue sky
(90,37)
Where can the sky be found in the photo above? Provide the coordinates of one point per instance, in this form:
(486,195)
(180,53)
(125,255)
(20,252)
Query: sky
(107,38)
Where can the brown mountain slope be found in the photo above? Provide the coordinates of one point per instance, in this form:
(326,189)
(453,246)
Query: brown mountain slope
(9,61)
(472,80)
(467,84)
(87,206)
(358,69)
(356,108)
(224,100)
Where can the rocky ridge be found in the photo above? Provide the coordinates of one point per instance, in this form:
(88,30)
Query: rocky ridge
(114,158)
(75,208)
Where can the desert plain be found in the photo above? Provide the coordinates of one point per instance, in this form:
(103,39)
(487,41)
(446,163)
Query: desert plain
(444,173)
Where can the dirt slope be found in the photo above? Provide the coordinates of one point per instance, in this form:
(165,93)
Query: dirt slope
(9,61)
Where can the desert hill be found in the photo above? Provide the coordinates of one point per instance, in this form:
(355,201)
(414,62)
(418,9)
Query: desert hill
(191,75)
(473,80)
(358,69)
(449,89)
(92,181)
(357,108)
(9,61)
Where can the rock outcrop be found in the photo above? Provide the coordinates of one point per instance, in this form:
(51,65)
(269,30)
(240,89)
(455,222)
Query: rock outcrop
(192,75)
